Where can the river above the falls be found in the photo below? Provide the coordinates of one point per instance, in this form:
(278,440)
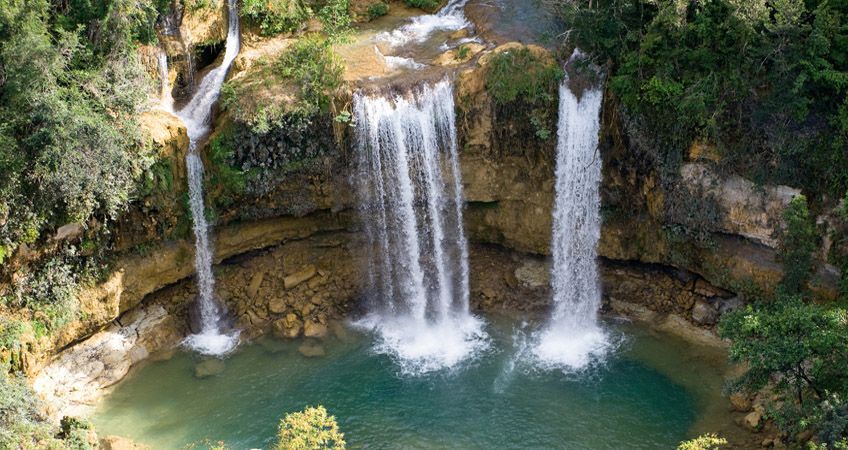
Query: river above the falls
(653,392)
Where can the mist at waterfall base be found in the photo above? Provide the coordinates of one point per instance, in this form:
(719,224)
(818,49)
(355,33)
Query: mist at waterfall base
(652,393)
(410,196)
(573,339)
(213,338)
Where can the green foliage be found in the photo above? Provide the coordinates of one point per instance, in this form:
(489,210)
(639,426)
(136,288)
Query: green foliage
(838,254)
(335,16)
(796,346)
(21,422)
(311,429)
(71,85)
(276,16)
(703,442)
(311,64)
(10,333)
(797,246)
(765,81)
(49,293)
(521,77)
(378,9)
(520,74)
(226,180)
(428,5)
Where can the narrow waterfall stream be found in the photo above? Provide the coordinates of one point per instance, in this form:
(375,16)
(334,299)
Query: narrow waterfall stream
(213,338)
(165,98)
(411,202)
(573,337)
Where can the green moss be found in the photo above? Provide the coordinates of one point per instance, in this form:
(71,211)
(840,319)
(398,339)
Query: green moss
(227,181)
(521,75)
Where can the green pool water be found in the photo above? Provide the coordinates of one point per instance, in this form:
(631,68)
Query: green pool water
(651,393)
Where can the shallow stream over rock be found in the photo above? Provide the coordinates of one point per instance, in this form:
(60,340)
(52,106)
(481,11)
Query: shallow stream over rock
(652,392)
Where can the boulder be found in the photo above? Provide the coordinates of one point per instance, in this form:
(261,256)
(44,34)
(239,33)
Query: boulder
(314,329)
(69,232)
(740,402)
(277,305)
(255,284)
(703,313)
(120,443)
(752,421)
(289,327)
(299,277)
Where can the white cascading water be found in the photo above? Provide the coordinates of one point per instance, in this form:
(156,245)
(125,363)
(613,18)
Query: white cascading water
(419,28)
(165,98)
(411,202)
(572,339)
(213,338)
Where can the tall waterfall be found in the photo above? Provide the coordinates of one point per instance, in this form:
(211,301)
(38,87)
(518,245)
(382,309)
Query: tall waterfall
(213,338)
(411,203)
(573,337)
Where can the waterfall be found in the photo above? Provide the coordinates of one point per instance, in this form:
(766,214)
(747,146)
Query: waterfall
(213,338)
(419,28)
(411,205)
(573,337)
(165,97)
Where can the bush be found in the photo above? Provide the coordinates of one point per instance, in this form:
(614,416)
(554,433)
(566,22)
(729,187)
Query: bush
(311,429)
(378,9)
(276,16)
(21,423)
(520,74)
(311,64)
(428,5)
(704,442)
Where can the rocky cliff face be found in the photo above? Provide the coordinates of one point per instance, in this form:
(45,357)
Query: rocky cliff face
(288,246)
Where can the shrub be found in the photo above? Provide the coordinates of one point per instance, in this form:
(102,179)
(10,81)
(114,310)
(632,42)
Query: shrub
(704,442)
(335,16)
(378,9)
(276,16)
(21,422)
(311,429)
(520,74)
(311,64)
(423,4)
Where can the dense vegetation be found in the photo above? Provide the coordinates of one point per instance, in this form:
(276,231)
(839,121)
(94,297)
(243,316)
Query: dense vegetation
(71,152)
(765,81)
(288,16)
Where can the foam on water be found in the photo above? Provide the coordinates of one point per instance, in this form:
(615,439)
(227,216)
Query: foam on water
(419,28)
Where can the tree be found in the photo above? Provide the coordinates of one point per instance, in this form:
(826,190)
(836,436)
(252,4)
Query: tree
(311,429)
